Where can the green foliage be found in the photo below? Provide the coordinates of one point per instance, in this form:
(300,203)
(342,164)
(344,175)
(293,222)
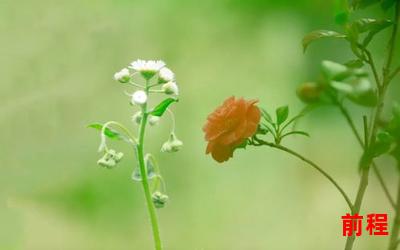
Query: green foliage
(318,34)
(278,128)
(382,145)
(110,133)
(162,106)
(370,25)
(282,114)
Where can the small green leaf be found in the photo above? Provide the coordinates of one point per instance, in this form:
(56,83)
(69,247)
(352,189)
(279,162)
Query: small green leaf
(342,87)
(335,71)
(382,145)
(266,115)
(282,114)
(370,24)
(110,133)
(373,26)
(357,63)
(318,34)
(162,107)
(367,99)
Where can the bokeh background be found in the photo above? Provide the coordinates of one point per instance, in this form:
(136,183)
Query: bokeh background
(56,66)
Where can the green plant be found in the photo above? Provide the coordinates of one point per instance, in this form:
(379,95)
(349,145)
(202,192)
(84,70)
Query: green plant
(155,79)
(339,85)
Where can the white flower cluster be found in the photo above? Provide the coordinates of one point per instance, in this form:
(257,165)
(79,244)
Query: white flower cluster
(149,69)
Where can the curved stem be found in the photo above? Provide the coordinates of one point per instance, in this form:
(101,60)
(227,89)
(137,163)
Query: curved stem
(312,164)
(145,182)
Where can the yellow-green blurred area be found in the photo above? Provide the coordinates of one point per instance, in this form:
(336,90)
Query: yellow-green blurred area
(56,66)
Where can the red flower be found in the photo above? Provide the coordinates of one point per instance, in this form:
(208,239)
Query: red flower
(229,126)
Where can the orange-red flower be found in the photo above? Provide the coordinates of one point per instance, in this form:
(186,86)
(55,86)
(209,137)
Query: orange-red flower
(229,126)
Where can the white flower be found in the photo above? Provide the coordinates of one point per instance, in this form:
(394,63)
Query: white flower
(172,145)
(170,88)
(147,68)
(123,75)
(139,97)
(153,120)
(166,75)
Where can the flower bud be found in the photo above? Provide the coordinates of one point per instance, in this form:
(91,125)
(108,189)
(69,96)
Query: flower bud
(139,97)
(170,88)
(172,145)
(165,75)
(122,76)
(153,120)
(309,92)
(137,117)
(110,159)
(159,199)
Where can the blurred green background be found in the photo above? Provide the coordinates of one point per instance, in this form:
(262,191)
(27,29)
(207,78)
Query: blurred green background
(56,67)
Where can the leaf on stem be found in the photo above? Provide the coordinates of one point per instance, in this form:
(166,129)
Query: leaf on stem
(160,109)
(282,114)
(373,26)
(266,116)
(318,34)
(110,133)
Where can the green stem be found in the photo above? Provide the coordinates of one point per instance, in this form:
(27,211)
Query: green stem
(382,92)
(312,164)
(145,182)
(357,205)
(360,141)
(394,234)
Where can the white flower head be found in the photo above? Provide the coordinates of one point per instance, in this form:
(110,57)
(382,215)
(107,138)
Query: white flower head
(122,76)
(172,145)
(147,68)
(139,97)
(165,75)
(170,88)
(153,120)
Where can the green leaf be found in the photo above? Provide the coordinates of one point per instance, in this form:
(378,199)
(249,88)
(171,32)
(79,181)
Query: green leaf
(110,133)
(357,63)
(370,24)
(367,99)
(382,145)
(342,87)
(162,107)
(387,4)
(318,34)
(363,93)
(282,114)
(266,115)
(373,26)
(335,71)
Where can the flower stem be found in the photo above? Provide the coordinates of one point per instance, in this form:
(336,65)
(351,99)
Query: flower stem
(381,97)
(314,165)
(360,141)
(394,234)
(145,182)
